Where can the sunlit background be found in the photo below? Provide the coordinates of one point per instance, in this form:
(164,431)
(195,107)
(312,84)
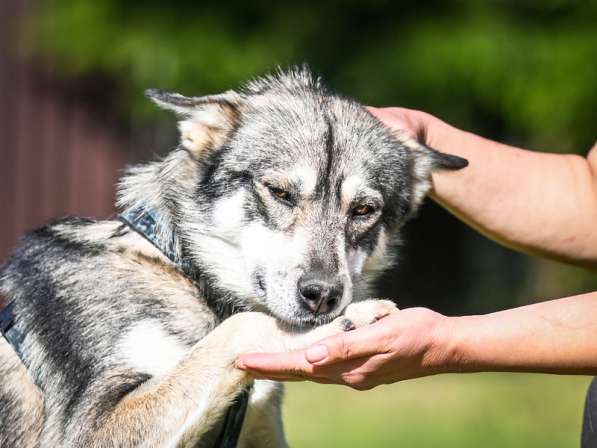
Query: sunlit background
(72,115)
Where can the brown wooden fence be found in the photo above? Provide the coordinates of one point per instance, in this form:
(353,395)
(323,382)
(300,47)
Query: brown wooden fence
(60,154)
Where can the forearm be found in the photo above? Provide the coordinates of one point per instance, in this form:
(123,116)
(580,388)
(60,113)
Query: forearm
(558,336)
(539,203)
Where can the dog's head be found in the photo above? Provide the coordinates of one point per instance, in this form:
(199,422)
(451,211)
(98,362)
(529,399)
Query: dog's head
(287,195)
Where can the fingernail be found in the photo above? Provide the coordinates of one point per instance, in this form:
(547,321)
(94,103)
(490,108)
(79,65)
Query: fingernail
(240,364)
(316,353)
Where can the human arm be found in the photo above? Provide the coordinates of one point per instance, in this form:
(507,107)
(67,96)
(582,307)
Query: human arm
(558,336)
(539,203)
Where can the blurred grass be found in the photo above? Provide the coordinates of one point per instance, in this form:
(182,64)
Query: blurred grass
(488,410)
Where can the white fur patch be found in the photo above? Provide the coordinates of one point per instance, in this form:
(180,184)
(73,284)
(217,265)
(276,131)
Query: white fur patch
(222,244)
(350,187)
(149,349)
(276,248)
(228,213)
(356,260)
(192,135)
(306,177)
(262,392)
(210,115)
(281,256)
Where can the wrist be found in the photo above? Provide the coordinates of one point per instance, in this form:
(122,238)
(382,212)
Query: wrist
(451,345)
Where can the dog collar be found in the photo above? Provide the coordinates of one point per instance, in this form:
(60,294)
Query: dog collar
(8,329)
(145,222)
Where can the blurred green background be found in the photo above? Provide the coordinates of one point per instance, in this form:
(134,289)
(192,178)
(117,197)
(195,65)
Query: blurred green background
(521,72)
(481,410)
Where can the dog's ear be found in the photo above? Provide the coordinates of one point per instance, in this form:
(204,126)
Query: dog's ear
(426,160)
(205,121)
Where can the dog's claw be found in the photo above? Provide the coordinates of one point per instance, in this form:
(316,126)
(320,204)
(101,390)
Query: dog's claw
(346,324)
(369,311)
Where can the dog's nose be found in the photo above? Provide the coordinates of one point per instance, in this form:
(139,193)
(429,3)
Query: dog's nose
(319,294)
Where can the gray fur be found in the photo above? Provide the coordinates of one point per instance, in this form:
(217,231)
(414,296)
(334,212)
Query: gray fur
(86,290)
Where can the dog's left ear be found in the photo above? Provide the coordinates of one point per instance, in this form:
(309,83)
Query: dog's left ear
(426,161)
(206,120)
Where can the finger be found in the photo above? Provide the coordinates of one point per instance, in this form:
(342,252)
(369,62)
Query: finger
(359,343)
(390,117)
(273,377)
(360,374)
(286,378)
(316,380)
(291,364)
(295,377)
(377,112)
(362,366)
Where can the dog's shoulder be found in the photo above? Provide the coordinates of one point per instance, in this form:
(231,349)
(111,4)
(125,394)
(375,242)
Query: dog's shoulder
(73,247)
(56,237)
(89,272)
(100,308)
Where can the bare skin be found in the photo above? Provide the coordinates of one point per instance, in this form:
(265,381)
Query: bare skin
(538,203)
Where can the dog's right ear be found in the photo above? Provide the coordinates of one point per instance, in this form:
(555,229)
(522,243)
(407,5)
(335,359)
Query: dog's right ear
(206,120)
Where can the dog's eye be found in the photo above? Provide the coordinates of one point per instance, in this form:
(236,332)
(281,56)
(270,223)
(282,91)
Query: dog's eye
(280,194)
(362,210)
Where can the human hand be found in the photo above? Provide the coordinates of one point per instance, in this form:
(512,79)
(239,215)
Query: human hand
(402,345)
(414,123)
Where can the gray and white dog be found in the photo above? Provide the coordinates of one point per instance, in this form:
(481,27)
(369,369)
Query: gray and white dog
(268,222)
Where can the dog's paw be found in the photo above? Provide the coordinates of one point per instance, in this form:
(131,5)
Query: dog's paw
(368,311)
(340,324)
(356,315)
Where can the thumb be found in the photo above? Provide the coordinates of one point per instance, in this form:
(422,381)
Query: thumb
(365,341)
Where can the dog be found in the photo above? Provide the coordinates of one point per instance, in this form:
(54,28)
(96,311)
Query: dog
(261,231)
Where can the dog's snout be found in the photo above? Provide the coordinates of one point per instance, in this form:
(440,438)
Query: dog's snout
(318,293)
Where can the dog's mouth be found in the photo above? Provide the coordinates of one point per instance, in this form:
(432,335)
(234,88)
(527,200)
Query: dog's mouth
(299,324)
(260,288)
(301,321)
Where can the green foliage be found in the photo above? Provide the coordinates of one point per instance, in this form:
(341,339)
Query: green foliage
(520,70)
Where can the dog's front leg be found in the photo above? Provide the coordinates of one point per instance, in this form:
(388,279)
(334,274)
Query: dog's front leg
(180,407)
(263,426)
